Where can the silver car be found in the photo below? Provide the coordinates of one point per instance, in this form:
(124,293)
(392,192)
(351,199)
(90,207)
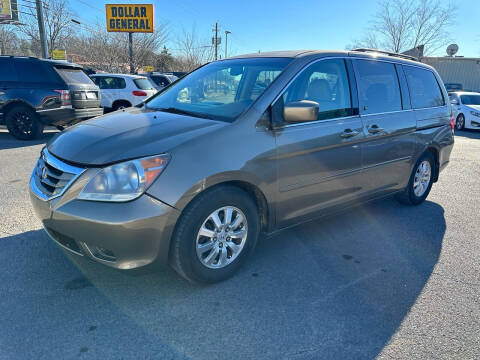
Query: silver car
(239,147)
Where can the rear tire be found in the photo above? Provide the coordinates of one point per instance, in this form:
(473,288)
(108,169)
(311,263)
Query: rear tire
(118,105)
(460,122)
(23,123)
(418,187)
(192,262)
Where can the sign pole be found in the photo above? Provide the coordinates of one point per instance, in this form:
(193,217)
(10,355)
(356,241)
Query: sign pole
(130,51)
(41,29)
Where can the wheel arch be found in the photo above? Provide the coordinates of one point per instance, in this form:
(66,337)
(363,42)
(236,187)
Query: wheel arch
(240,180)
(121,101)
(15,102)
(436,156)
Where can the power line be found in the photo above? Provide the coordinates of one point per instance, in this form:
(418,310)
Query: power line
(91,6)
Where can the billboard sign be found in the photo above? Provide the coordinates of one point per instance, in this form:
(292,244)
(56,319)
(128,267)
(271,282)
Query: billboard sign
(130,18)
(8,11)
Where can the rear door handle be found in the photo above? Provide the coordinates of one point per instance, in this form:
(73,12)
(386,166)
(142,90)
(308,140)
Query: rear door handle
(374,129)
(348,133)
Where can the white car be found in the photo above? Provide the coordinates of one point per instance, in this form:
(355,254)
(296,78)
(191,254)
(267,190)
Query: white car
(466,109)
(121,91)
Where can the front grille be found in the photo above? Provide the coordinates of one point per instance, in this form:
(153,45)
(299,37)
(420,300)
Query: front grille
(51,177)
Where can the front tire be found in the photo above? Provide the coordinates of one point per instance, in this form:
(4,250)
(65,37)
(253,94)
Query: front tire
(23,124)
(420,182)
(215,234)
(460,122)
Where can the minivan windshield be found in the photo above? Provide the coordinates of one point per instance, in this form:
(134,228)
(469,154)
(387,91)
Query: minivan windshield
(470,99)
(221,90)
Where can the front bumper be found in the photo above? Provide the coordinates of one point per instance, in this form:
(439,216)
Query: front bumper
(67,115)
(121,235)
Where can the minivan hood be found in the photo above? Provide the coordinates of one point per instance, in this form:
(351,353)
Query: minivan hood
(127,134)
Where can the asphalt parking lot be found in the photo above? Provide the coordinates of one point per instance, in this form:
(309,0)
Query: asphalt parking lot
(382,280)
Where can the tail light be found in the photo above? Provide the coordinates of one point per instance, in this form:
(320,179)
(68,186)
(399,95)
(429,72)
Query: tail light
(139,93)
(65,97)
(452,123)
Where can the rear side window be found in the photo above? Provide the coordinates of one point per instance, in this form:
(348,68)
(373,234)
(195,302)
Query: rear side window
(7,73)
(33,71)
(378,86)
(143,84)
(73,76)
(105,82)
(424,89)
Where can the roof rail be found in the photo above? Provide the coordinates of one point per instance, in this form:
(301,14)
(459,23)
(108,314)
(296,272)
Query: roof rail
(408,57)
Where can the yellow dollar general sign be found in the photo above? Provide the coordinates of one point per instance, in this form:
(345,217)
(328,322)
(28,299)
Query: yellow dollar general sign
(59,54)
(130,18)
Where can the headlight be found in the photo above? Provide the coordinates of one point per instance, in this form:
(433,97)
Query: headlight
(474,113)
(124,181)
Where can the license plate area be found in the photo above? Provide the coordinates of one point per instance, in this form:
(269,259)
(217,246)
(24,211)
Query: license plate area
(91,95)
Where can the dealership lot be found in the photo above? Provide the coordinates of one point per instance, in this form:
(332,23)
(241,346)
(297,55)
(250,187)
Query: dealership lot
(379,280)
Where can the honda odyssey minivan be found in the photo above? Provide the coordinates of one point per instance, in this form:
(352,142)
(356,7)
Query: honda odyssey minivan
(242,146)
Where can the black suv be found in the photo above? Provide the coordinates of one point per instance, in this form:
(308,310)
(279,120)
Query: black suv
(36,92)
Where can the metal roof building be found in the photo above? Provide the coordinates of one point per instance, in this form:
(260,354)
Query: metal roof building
(457,73)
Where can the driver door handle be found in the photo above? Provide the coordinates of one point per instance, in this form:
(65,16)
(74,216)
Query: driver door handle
(374,129)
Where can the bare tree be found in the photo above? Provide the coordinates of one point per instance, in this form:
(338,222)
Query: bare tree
(58,25)
(9,41)
(400,25)
(192,52)
(430,24)
(109,51)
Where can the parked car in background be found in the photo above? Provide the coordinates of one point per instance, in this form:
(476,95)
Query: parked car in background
(178,74)
(466,109)
(121,91)
(160,80)
(193,176)
(36,92)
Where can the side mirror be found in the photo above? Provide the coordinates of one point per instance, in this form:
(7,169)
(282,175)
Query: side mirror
(454,102)
(300,111)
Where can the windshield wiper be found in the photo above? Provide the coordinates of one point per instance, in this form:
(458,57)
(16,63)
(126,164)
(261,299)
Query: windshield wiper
(184,112)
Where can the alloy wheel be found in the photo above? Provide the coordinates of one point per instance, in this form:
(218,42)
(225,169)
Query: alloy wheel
(222,237)
(22,124)
(421,181)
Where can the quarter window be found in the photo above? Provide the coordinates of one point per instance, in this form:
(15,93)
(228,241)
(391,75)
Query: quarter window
(326,83)
(378,86)
(424,89)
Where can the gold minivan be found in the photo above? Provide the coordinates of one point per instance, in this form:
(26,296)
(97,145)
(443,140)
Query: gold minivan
(242,146)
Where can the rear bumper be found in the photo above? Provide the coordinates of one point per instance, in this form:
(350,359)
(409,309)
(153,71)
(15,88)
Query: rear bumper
(121,235)
(67,116)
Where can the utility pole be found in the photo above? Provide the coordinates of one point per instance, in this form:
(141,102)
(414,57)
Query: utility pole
(130,51)
(226,42)
(216,40)
(41,29)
